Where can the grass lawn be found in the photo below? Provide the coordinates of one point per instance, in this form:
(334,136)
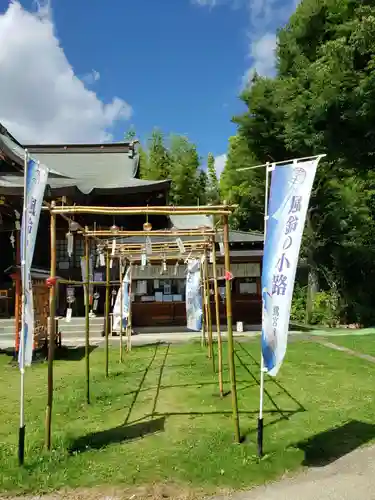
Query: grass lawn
(158,419)
(364,344)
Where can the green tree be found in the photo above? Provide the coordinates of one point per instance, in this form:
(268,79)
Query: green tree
(184,171)
(159,159)
(213,189)
(323,101)
(245,188)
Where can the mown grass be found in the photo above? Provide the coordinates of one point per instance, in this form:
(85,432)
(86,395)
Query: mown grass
(158,418)
(363,344)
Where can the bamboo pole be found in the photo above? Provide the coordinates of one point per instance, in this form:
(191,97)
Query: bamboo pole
(208,308)
(217,314)
(203,340)
(107,233)
(121,309)
(228,300)
(107,276)
(158,210)
(129,322)
(52,334)
(87,318)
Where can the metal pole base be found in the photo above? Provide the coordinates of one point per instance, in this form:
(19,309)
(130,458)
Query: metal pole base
(260,437)
(21,445)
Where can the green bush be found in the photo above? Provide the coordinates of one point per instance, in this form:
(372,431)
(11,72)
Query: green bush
(325,307)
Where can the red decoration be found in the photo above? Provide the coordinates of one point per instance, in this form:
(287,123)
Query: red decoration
(51,281)
(228,276)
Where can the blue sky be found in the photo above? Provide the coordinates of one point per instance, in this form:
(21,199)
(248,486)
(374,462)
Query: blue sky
(175,64)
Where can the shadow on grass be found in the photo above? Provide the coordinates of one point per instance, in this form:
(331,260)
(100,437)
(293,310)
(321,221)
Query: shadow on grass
(326,447)
(65,353)
(139,388)
(98,440)
(270,380)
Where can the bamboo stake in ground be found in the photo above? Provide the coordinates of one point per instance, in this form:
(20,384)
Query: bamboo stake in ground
(107,276)
(121,308)
(52,333)
(87,318)
(217,314)
(209,319)
(228,300)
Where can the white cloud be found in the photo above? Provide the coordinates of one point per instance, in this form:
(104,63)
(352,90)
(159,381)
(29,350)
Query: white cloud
(262,53)
(91,78)
(265,17)
(41,98)
(220,162)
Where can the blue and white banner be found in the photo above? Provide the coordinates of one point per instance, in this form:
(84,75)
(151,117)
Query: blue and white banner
(193,295)
(35,179)
(290,192)
(124,314)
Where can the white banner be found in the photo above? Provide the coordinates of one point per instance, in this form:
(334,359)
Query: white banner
(288,202)
(193,296)
(117,314)
(35,182)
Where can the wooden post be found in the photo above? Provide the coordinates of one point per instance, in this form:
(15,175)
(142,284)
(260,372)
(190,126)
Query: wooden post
(208,306)
(107,285)
(228,300)
(217,314)
(121,307)
(87,318)
(52,333)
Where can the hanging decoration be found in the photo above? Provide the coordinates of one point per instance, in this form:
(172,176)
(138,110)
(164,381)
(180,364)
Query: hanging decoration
(70,299)
(148,246)
(112,253)
(96,301)
(176,268)
(18,220)
(143,261)
(114,293)
(12,240)
(70,243)
(180,245)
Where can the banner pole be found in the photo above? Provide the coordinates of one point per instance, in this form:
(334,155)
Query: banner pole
(261,384)
(87,318)
(21,434)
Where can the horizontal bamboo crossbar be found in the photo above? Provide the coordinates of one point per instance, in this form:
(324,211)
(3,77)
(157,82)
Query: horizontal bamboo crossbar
(107,233)
(167,210)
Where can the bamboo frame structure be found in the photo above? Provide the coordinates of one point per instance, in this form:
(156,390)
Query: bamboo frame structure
(217,316)
(87,318)
(133,254)
(52,334)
